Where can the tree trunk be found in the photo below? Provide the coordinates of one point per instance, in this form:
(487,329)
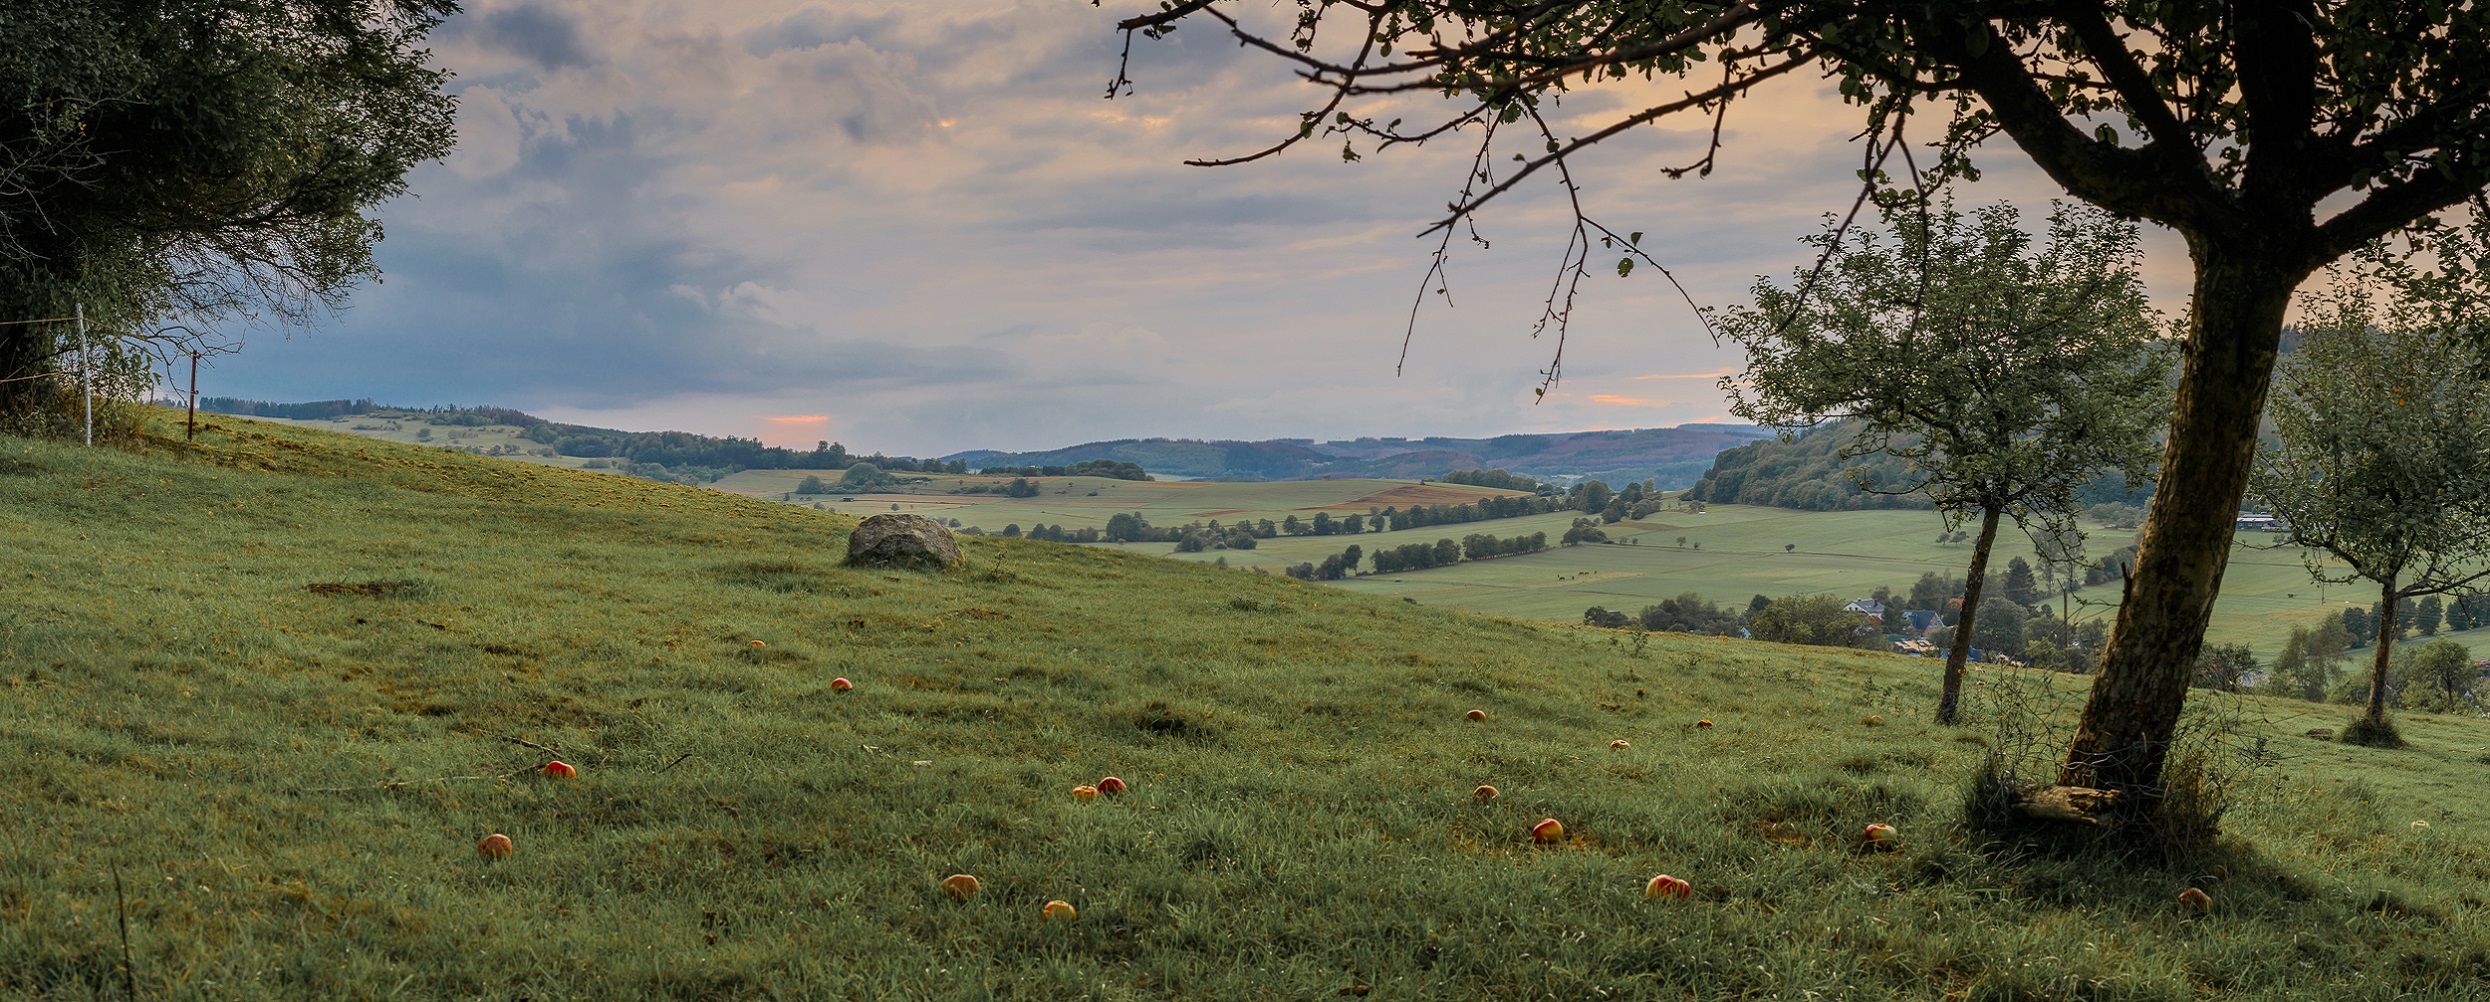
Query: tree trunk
(2386,639)
(2234,333)
(1950,702)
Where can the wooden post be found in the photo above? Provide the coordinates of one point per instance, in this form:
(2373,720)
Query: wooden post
(191,431)
(86,374)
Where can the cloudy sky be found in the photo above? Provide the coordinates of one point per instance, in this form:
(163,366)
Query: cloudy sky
(916,226)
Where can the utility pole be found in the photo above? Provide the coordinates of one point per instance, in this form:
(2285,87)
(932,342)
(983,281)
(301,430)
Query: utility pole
(86,374)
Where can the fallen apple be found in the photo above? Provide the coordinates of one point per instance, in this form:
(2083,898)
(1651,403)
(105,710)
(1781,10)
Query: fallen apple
(1061,910)
(494,846)
(1550,830)
(1705,724)
(1665,886)
(1084,793)
(2194,899)
(1111,786)
(757,645)
(1484,792)
(841,685)
(959,885)
(1619,743)
(559,769)
(1476,714)
(1878,834)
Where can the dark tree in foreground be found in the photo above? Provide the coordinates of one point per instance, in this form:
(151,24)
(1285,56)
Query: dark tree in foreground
(198,160)
(2228,122)
(2006,372)
(2382,461)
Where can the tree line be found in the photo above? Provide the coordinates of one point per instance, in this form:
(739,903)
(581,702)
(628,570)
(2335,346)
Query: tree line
(1419,556)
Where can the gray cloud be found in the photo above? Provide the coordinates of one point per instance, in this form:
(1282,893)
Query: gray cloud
(542,33)
(919,219)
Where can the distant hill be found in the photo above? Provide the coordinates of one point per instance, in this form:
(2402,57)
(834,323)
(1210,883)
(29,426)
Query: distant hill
(1674,457)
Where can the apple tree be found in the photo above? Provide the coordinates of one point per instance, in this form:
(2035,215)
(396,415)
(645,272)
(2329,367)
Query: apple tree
(2006,373)
(2274,137)
(2380,468)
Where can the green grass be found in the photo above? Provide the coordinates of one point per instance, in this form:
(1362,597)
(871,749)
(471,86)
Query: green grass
(288,782)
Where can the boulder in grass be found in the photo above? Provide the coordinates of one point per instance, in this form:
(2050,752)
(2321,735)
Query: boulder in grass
(903,541)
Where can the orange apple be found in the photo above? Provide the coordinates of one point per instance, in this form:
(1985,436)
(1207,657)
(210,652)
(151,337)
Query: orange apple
(1061,910)
(1084,793)
(1619,743)
(757,645)
(494,846)
(959,885)
(1476,714)
(1878,834)
(1550,830)
(559,769)
(2194,899)
(841,685)
(1111,786)
(1665,886)
(1484,793)
(1705,724)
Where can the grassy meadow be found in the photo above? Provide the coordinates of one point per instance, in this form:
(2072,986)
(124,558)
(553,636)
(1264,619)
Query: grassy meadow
(261,696)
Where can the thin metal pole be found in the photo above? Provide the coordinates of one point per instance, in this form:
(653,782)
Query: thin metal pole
(86,374)
(193,431)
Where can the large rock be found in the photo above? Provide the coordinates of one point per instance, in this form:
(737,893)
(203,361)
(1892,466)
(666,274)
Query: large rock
(903,541)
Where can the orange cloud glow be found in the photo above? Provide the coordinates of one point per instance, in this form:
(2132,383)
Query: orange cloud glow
(1618,401)
(1687,375)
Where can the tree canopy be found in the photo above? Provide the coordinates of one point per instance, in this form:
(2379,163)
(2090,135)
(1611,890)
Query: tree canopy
(2231,123)
(197,161)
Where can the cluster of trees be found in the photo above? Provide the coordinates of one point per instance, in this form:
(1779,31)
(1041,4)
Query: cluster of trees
(1807,472)
(1419,556)
(1110,468)
(2438,677)
(1497,479)
(1338,565)
(1019,487)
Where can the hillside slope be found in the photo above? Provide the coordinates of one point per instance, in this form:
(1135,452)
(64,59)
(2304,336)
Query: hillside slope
(260,698)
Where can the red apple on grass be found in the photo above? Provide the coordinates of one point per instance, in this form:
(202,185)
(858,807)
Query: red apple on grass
(1084,793)
(959,885)
(1484,793)
(494,846)
(1111,786)
(1878,834)
(1476,714)
(1550,830)
(1665,886)
(841,685)
(1061,910)
(1619,744)
(2194,899)
(559,769)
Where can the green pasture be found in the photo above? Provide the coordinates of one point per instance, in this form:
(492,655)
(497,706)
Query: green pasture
(260,698)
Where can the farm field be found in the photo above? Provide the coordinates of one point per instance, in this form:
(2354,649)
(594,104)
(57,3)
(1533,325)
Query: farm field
(260,698)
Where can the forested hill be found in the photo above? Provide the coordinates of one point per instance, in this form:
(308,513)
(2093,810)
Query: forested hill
(1673,457)
(1807,473)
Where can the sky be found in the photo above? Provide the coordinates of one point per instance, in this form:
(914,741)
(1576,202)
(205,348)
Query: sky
(918,227)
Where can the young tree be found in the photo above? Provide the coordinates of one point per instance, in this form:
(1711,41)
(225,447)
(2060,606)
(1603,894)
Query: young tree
(2382,461)
(2007,374)
(2230,123)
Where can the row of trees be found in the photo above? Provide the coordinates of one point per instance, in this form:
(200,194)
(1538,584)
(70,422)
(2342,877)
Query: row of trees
(1419,556)
(1112,469)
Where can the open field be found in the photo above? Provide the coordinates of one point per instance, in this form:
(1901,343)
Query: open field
(260,698)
